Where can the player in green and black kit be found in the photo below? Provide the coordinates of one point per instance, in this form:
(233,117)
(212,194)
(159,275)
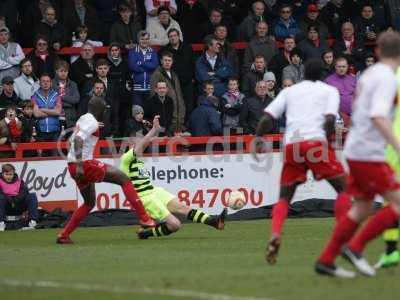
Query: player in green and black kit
(161,205)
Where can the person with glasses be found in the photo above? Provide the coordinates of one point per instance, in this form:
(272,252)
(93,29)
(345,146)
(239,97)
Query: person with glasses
(286,26)
(42,57)
(26,84)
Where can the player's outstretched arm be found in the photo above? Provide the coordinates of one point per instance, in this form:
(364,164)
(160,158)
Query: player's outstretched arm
(384,125)
(142,143)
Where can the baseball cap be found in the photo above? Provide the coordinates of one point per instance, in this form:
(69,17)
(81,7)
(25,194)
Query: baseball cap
(4,29)
(312,8)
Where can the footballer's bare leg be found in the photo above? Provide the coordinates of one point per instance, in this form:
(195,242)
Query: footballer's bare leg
(116,176)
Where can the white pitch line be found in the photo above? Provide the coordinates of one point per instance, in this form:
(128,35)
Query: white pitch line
(124,290)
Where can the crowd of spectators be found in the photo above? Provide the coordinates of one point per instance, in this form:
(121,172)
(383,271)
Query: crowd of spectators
(151,69)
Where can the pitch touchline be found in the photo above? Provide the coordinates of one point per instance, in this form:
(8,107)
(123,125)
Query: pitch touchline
(124,290)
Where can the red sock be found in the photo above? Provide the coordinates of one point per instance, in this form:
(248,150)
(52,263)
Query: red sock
(279,215)
(76,218)
(383,219)
(343,232)
(133,198)
(342,205)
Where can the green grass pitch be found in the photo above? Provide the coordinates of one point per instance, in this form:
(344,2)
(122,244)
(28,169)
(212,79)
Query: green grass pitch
(196,263)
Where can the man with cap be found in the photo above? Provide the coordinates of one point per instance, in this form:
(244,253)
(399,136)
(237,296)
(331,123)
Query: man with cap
(312,19)
(7,97)
(158,28)
(10,55)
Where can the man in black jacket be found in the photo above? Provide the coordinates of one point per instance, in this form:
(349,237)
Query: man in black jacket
(82,70)
(183,66)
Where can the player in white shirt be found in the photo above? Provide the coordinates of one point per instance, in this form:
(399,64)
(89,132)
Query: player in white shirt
(86,171)
(311,108)
(364,150)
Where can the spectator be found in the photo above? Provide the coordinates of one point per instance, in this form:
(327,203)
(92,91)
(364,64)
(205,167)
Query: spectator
(208,27)
(159,28)
(253,108)
(119,76)
(142,62)
(26,84)
(231,10)
(287,83)
(28,122)
(81,39)
(10,128)
(10,55)
(256,74)
(68,93)
(8,97)
(15,197)
(82,70)
(334,14)
(286,26)
(312,18)
(328,59)
(313,46)
(183,66)
(295,70)
(346,85)
(152,7)
(367,26)
(227,51)
(78,13)
(125,30)
(247,28)
(162,105)
(349,46)
(231,104)
(164,73)
(260,44)
(212,66)
(270,79)
(205,120)
(190,14)
(136,125)
(43,59)
(47,108)
(94,88)
(282,59)
(52,29)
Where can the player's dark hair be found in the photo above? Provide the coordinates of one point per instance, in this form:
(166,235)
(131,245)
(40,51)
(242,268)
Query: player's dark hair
(389,44)
(314,69)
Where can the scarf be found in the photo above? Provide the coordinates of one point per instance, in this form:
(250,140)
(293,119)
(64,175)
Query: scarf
(233,96)
(191,2)
(113,60)
(317,42)
(43,55)
(349,43)
(13,128)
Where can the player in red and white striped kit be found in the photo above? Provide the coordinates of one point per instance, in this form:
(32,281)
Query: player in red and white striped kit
(86,171)
(364,150)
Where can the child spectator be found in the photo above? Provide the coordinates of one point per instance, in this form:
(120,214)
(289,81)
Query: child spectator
(15,197)
(231,104)
(10,128)
(68,92)
(28,122)
(26,84)
(8,97)
(137,125)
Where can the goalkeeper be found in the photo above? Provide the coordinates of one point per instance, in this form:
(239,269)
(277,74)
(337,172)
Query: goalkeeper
(161,205)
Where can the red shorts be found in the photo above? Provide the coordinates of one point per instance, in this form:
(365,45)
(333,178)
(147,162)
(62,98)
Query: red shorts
(317,156)
(93,171)
(368,179)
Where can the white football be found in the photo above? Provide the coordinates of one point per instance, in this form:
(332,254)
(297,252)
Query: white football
(236,200)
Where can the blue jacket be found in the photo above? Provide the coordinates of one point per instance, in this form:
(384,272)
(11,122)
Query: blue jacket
(281,31)
(50,123)
(222,69)
(205,120)
(142,66)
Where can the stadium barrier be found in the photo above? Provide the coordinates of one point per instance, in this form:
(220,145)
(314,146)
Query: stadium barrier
(201,179)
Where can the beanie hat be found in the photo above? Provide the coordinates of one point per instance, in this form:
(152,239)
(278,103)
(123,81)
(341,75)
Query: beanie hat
(137,109)
(269,76)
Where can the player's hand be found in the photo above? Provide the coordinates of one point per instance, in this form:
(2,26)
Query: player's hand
(79,172)
(258,148)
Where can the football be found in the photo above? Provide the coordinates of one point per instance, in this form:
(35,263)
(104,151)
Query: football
(236,200)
